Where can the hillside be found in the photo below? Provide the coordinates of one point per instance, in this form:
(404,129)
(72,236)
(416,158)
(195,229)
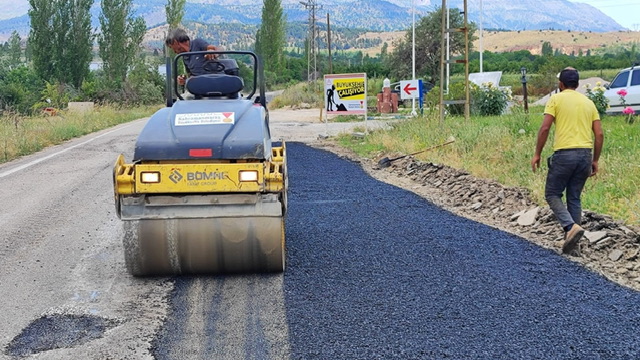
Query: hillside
(505,41)
(567,41)
(539,15)
(378,15)
(236,36)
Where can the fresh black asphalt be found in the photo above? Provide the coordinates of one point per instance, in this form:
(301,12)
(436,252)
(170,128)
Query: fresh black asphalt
(376,272)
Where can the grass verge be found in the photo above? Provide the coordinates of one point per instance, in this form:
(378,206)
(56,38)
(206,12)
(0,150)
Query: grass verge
(500,148)
(21,136)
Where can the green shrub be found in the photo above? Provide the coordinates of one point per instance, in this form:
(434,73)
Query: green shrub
(55,95)
(147,85)
(456,92)
(19,87)
(488,99)
(144,86)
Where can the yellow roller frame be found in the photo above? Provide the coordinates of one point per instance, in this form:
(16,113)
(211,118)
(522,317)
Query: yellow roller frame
(200,177)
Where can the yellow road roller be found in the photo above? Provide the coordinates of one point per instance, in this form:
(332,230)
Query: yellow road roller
(206,190)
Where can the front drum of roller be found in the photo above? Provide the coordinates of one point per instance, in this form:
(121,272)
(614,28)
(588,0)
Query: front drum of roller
(204,246)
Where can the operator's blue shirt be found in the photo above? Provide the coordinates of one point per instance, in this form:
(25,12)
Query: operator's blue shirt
(195,64)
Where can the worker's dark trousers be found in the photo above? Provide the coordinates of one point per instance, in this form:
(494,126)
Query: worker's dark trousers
(568,170)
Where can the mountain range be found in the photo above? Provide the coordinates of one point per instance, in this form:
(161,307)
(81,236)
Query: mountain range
(376,15)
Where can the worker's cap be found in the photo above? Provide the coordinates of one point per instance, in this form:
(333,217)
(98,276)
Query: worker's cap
(569,76)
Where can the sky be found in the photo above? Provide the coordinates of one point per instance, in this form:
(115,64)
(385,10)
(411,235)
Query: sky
(624,12)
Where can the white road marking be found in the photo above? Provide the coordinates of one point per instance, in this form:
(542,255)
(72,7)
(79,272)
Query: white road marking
(37,161)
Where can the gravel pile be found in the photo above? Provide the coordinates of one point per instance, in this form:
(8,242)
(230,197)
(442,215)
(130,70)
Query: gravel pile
(609,247)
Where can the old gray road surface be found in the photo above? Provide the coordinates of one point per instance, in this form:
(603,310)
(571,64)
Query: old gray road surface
(62,276)
(373,272)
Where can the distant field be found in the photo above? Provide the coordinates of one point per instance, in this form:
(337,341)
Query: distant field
(506,41)
(568,42)
(499,41)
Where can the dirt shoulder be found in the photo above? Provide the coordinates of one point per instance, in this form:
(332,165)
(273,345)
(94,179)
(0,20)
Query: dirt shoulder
(609,247)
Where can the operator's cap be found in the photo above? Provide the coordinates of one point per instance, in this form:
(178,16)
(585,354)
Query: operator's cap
(569,75)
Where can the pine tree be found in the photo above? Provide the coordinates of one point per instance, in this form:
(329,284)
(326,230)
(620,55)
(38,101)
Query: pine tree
(120,38)
(15,50)
(272,36)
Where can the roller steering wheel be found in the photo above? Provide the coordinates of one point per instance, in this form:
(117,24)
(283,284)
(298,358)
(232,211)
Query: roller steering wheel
(214,66)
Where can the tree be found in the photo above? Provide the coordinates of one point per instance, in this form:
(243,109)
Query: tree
(258,43)
(61,39)
(271,36)
(28,52)
(74,41)
(547,49)
(15,50)
(20,87)
(40,40)
(175,12)
(428,45)
(120,39)
(384,52)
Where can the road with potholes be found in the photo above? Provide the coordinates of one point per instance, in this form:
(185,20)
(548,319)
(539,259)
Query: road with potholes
(373,272)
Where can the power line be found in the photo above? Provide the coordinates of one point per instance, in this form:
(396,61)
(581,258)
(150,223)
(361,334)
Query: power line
(312,63)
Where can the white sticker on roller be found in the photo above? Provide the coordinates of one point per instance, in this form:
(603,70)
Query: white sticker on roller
(212,118)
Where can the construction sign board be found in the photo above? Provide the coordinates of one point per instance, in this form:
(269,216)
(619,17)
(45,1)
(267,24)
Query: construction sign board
(345,93)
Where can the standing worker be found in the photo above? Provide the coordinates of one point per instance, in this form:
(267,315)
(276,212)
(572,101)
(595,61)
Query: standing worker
(578,130)
(179,42)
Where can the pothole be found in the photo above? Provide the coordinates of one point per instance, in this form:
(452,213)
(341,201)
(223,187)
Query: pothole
(58,331)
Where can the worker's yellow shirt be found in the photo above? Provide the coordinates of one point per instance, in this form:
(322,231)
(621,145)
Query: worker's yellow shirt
(574,115)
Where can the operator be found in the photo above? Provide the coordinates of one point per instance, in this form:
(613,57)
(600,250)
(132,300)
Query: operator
(179,42)
(578,131)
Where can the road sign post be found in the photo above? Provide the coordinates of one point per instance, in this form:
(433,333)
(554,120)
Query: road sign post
(421,94)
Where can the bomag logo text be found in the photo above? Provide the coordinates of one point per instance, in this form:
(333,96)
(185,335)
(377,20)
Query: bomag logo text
(201,175)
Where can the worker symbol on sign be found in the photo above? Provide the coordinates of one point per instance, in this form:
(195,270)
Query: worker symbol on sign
(330,101)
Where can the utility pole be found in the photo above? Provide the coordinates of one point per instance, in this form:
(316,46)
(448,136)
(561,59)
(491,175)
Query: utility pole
(329,44)
(445,7)
(413,54)
(481,35)
(445,30)
(311,5)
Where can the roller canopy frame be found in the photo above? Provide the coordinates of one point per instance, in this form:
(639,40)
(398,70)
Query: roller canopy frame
(258,74)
